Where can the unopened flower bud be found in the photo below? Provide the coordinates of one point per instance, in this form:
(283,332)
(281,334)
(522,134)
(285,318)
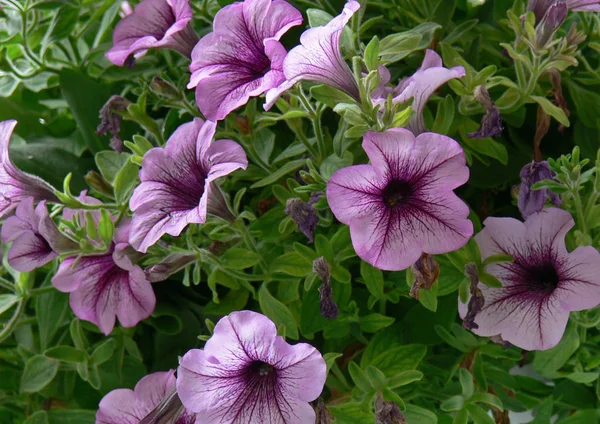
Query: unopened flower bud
(164,88)
(168,266)
(532,201)
(427,272)
(98,183)
(329,308)
(539,8)
(304,215)
(491,123)
(387,412)
(552,20)
(111,121)
(477,301)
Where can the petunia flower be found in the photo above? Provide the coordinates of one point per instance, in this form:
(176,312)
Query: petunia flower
(15,184)
(541,286)
(107,286)
(176,182)
(242,57)
(126,406)
(248,374)
(532,201)
(540,7)
(319,59)
(153,24)
(422,84)
(402,205)
(35,238)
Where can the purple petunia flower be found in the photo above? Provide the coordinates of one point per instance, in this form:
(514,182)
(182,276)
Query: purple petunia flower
(541,7)
(403,205)
(242,57)
(107,286)
(543,284)
(319,59)
(153,24)
(35,237)
(532,201)
(422,84)
(125,406)
(15,184)
(584,5)
(176,182)
(248,374)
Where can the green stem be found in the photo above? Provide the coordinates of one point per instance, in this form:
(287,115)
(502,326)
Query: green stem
(7,285)
(316,122)
(12,323)
(579,210)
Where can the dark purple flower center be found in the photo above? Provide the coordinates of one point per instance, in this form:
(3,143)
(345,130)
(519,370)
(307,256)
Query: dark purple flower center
(397,193)
(543,278)
(260,369)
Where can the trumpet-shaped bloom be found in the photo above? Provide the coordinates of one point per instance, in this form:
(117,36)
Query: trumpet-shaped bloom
(153,24)
(402,205)
(541,286)
(319,59)
(248,374)
(36,239)
(126,406)
(242,57)
(16,185)
(107,286)
(420,86)
(175,188)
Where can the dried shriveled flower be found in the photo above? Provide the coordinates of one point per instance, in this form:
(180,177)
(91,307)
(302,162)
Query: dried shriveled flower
(242,57)
(248,374)
(107,286)
(422,84)
(153,24)
(541,286)
(532,201)
(126,406)
(491,123)
(403,205)
(329,308)
(387,412)
(304,215)
(111,121)
(476,301)
(176,182)
(35,238)
(318,58)
(427,272)
(16,185)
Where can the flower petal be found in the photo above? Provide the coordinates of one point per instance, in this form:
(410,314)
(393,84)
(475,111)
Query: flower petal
(30,251)
(580,289)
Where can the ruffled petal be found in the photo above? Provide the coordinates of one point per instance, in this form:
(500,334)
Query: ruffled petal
(30,251)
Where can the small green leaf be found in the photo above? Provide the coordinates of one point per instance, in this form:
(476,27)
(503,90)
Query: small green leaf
(39,372)
(66,354)
(372,54)
(552,110)
(280,173)
(466,382)
(377,379)
(106,227)
(292,264)
(103,352)
(374,322)
(7,301)
(238,258)
(125,181)
(479,415)
(359,377)
(403,378)
(489,280)
(278,312)
(329,95)
(109,163)
(498,258)
(455,403)
(373,279)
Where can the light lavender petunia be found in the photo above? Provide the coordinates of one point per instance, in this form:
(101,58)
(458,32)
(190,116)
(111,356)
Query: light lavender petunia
(543,284)
(422,84)
(153,24)
(403,205)
(107,286)
(319,59)
(125,406)
(35,238)
(248,374)
(176,181)
(584,5)
(242,57)
(15,184)
(532,201)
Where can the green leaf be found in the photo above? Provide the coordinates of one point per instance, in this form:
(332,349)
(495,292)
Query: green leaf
(372,54)
(103,352)
(292,264)
(39,372)
(62,24)
(395,360)
(125,181)
(373,279)
(329,95)
(546,362)
(66,354)
(479,415)
(396,47)
(403,378)
(455,403)
(278,312)
(7,301)
(587,105)
(280,173)
(377,379)
(50,311)
(71,416)
(38,417)
(466,382)
(359,377)
(489,280)
(85,97)
(109,163)
(264,142)
(238,258)
(106,227)
(416,414)
(552,110)
(330,359)
(372,323)
(498,258)
(488,399)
